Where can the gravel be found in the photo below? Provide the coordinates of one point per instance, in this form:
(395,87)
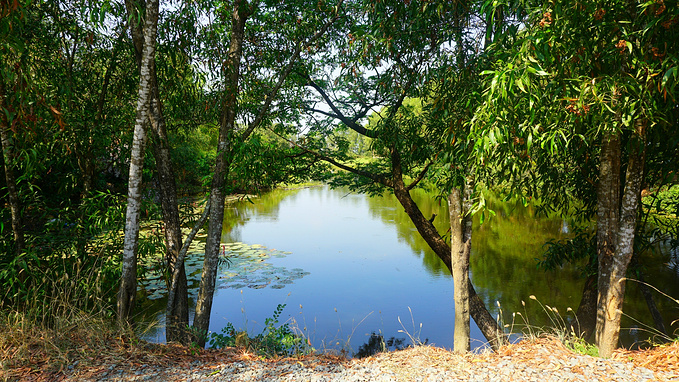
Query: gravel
(519,364)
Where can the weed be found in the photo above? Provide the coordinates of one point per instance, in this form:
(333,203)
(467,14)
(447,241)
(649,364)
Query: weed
(559,328)
(275,340)
(68,324)
(415,336)
(580,346)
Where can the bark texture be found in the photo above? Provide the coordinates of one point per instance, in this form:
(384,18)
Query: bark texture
(128,281)
(460,245)
(617,218)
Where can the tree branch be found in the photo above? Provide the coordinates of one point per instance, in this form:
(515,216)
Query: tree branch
(351,123)
(419,177)
(286,72)
(378,178)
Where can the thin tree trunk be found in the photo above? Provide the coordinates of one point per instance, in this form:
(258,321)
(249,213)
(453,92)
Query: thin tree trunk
(477,308)
(177,312)
(586,313)
(10,179)
(460,244)
(201,322)
(242,11)
(177,271)
(128,281)
(177,315)
(652,307)
(615,252)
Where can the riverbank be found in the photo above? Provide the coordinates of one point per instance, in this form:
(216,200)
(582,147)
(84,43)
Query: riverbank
(544,359)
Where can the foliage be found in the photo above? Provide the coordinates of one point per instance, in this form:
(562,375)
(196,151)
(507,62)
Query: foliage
(580,249)
(662,209)
(576,71)
(274,340)
(79,240)
(265,160)
(581,346)
(194,154)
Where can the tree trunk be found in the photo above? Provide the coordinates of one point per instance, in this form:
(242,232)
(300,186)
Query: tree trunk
(477,308)
(616,226)
(201,322)
(177,309)
(652,307)
(177,315)
(586,313)
(10,179)
(461,243)
(128,281)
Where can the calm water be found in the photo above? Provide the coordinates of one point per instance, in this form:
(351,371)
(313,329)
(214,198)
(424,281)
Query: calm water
(361,267)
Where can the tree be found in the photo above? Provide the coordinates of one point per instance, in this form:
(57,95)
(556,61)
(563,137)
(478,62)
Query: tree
(128,281)
(393,55)
(10,179)
(586,80)
(177,310)
(230,135)
(11,18)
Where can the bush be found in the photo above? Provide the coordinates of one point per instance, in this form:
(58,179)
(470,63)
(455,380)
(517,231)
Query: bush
(273,341)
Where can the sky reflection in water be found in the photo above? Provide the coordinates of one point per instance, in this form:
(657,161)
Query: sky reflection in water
(368,268)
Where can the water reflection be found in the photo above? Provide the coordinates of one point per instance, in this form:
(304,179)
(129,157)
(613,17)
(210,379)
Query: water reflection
(377,344)
(371,272)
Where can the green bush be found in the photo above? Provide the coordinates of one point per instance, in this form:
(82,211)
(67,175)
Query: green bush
(273,341)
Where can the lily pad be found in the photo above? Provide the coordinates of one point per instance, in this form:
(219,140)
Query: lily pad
(243,266)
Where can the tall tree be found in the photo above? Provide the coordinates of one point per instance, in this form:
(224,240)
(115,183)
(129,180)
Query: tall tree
(582,81)
(230,136)
(177,310)
(11,19)
(10,178)
(241,11)
(391,55)
(128,281)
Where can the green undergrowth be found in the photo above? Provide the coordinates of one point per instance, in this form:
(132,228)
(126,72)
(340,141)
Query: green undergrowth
(275,340)
(580,346)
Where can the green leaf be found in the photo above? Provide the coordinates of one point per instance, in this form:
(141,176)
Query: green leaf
(529,142)
(519,83)
(669,73)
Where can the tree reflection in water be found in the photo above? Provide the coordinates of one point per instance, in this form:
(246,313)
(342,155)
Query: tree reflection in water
(377,344)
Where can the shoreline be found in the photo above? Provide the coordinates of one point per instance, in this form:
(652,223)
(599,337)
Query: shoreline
(544,359)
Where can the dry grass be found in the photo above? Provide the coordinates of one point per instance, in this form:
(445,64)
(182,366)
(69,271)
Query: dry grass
(69,322)
(27,343)
(41,358)
(660,358)
(532,353)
